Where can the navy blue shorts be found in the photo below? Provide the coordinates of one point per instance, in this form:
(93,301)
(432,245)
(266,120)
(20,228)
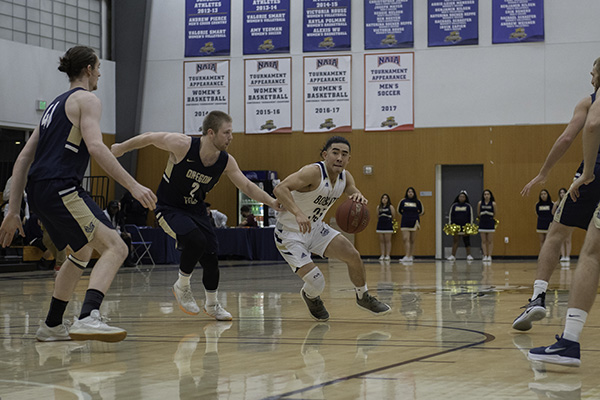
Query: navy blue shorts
(579,214)
(176,222)
(67,211)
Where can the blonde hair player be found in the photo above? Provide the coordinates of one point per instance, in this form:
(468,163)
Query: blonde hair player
(306,195)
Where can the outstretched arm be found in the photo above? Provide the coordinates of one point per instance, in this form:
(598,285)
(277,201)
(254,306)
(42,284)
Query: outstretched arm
(247,186)
(562,144)
(352,191)
(89,125)
(12,222)
(177,144)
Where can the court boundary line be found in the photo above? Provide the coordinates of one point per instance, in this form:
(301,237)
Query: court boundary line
(488,338)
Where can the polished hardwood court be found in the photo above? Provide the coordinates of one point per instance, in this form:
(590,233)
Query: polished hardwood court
(448,336)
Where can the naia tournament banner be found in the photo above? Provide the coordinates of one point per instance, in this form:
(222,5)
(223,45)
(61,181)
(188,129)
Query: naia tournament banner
(266,26)
(268,94)
(205,88)
(327,90)
(389,100)
(388,24)
(207,28)
(453,22)
(326,25)
(515,21)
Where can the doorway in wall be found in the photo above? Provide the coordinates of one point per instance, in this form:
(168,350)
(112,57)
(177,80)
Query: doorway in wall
(450,180)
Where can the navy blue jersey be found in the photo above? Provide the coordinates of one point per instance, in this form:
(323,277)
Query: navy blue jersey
(486,216)
(384,220)
(61,152)
(184,185)
(461,214)
(544,213)
(411,210)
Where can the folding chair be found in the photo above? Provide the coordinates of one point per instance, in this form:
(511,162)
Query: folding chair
(141,247)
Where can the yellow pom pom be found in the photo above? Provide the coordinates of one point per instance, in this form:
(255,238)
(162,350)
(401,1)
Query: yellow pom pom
(395,225)
(496,222)
(451,229)
(471,229)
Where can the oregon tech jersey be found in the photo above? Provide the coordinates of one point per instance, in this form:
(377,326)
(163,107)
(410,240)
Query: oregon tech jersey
(184,185)
(314,204)
(61,152)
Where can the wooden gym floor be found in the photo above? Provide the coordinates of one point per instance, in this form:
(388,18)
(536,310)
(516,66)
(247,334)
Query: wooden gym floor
(448,336)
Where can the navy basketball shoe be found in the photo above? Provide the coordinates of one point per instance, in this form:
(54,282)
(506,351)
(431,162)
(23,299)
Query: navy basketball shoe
(563,352)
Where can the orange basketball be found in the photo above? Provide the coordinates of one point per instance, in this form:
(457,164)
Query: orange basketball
(352,216)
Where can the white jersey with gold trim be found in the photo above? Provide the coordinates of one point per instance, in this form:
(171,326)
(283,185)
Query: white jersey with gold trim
(314,204)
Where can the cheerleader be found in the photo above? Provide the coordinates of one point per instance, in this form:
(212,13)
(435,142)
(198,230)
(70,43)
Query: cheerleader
(565,248)
(411,209)
(461,213)
(385,227)
(543,209)
(486,211)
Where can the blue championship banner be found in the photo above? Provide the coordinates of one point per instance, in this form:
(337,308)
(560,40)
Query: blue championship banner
(207,28)
(388,25)
(515,21)
(453,22)
(326,25)
(266,26)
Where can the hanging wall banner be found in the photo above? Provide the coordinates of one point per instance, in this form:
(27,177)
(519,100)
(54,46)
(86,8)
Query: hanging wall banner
(205,88)
(389,100)
(327,90)
(326,25)
(207,28)
(388,24)
(266,26)
(453,22)
(515,21)
(268,94)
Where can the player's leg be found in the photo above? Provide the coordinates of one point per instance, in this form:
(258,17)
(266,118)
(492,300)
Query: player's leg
(113,252)
(340,248)
(53,328)
(210,279)
(314,284)
(535,310)
(193,247)
(566,350)
(294,249)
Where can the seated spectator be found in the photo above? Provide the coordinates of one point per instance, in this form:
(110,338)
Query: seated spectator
(217,218)
(248,221)
(133,212)
(113,212)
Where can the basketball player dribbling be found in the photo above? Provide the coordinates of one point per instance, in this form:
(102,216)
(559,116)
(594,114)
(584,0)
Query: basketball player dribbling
(52,165)
(306,195)
(569,214)
(195,166)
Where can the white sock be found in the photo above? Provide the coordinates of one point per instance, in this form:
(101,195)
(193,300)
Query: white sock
(360,291)
(184,280)
(539,287)
(574,325)
(211,297)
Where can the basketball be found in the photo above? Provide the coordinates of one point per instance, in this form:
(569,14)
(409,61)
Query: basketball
(352,216)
